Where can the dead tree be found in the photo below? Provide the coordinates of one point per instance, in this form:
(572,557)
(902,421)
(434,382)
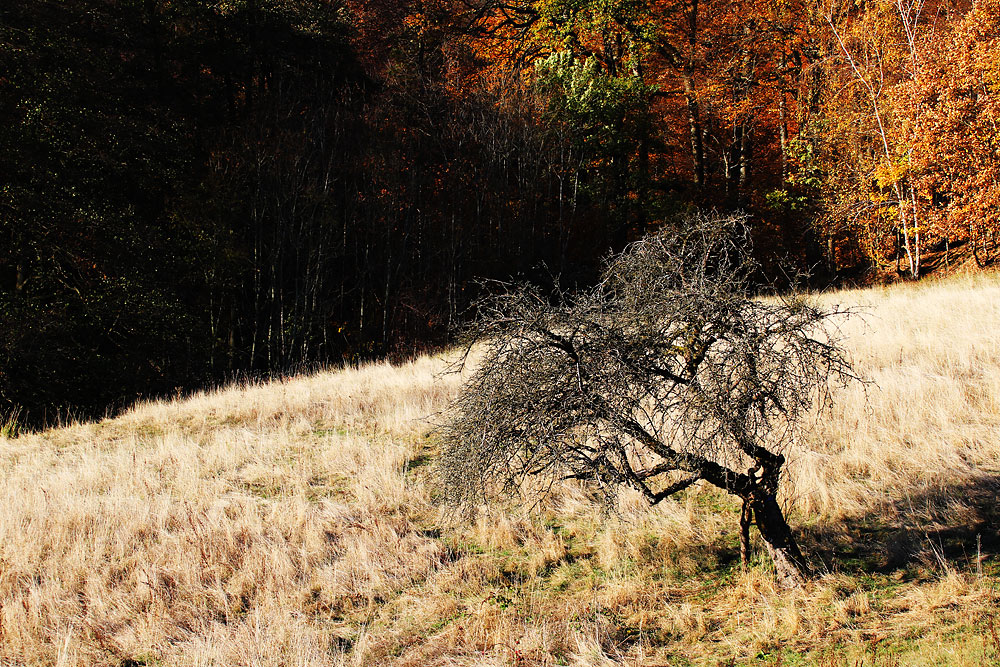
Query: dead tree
(669,372)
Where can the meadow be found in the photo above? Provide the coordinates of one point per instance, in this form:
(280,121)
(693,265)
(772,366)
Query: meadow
(296,522)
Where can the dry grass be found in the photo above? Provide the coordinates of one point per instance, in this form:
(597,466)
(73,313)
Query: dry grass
(294,523)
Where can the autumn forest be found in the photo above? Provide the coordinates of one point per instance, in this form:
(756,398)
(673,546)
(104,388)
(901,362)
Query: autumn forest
(197,190)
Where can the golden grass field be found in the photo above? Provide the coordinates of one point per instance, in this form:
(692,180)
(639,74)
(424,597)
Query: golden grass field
(294,523)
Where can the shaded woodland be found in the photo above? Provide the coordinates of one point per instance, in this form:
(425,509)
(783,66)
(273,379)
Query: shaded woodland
(196,190)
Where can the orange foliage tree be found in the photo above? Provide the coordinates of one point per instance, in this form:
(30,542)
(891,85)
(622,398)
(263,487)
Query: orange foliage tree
(822,119)
(955,94)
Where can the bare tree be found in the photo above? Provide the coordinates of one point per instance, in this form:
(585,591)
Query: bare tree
(667,373)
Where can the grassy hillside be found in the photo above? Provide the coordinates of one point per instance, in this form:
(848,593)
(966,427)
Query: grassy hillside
(294,523)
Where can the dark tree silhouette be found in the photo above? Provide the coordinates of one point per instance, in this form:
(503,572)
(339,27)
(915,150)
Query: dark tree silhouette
(669,372)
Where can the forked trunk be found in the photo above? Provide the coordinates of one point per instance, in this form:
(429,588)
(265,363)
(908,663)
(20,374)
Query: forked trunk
(789,563)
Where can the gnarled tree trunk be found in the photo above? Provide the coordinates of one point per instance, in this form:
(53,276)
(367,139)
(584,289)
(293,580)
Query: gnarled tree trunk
(789,563)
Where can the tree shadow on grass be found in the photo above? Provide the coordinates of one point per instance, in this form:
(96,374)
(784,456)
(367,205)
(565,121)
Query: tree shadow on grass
(951,526)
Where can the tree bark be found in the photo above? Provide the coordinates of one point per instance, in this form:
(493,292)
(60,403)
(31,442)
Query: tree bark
(694,122)
(746,518)
(789,563)
(691,97)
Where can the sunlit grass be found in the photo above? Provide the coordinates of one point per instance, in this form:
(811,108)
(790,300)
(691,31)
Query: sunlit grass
(295,523)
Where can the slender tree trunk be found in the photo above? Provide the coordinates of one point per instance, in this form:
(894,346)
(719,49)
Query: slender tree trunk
(20,277)
(744,172)
(643,187)
(899,245)
(916,232)
(982,261)
(694,121)
(911,245)
(783,122)
(690,96)
(746,518)
(745,87)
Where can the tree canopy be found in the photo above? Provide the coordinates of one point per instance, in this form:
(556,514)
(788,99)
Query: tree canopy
(668,373)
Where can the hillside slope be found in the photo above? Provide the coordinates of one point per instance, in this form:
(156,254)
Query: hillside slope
(294,523)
